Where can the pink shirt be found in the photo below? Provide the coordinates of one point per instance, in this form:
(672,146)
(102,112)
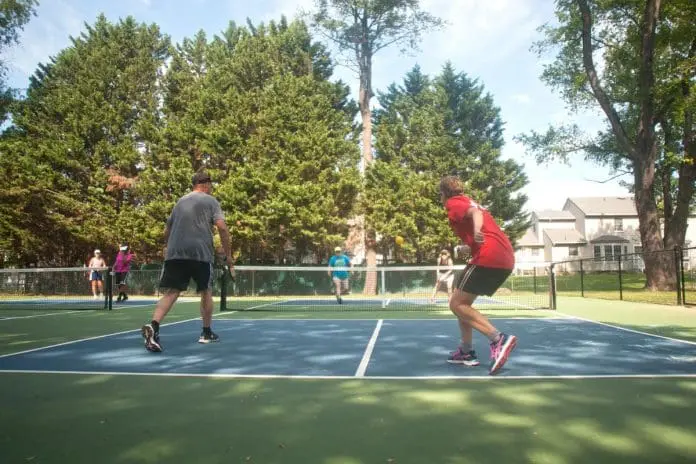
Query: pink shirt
(122,263)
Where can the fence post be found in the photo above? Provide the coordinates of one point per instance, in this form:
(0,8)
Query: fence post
(582,280)
(552,287)
(535,282)
(678,263)
(620,279)
(683,278)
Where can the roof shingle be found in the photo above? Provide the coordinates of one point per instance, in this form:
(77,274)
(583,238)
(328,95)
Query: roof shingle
(605,206)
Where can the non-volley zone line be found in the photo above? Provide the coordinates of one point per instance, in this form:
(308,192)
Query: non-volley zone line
(77,311)
(97,337)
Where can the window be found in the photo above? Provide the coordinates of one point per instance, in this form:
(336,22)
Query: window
(608,252)
(535,252)
(617,251)
(637,249)
(597,251)
(618,224)
(572,251)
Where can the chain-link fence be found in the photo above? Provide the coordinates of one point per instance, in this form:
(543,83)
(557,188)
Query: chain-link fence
(623,277)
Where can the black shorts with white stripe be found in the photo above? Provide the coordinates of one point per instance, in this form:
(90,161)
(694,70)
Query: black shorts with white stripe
(177,274)
(480,280)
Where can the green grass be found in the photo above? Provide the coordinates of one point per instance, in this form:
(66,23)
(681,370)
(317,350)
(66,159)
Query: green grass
(606,286)
(49,418)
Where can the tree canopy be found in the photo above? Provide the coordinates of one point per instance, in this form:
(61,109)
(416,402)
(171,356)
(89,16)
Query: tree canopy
(428,128)
(114,126)
(645,88)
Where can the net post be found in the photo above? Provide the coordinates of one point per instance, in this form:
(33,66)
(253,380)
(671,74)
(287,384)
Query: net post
(582,280)
(109,290)
(552,287)
(223,291)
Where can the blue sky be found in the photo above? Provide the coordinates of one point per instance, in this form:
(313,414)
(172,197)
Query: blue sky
(487,39)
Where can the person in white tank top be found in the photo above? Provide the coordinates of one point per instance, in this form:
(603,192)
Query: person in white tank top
(443,274)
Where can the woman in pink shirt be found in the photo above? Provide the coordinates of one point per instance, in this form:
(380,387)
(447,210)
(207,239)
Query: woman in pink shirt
(121,269)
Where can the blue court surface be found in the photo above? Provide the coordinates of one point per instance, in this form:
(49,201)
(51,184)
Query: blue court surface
(553,347)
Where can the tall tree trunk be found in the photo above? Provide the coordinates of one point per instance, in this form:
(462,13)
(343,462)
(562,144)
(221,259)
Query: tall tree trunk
(659,263)
(675,229)
(364,97)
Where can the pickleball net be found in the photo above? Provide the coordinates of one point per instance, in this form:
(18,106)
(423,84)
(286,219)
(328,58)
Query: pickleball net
(393,288)
(52,289)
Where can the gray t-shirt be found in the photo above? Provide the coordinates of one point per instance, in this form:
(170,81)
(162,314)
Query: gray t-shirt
(191,227)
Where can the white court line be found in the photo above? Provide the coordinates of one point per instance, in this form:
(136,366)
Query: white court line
(350,377)
(71,342)
(618,327)
(83,311)
(12,318)
(348,319)
(135,305)
(362,367)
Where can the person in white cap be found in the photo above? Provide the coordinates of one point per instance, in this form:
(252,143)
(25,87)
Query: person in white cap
(95,276)
(339,277)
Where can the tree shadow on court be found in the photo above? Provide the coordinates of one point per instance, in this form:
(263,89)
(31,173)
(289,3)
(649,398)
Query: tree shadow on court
(123,419)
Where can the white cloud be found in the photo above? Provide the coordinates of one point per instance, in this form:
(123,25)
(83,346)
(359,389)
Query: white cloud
(552,193)
(45,35)
(289,8)
(487,31)
(522,98)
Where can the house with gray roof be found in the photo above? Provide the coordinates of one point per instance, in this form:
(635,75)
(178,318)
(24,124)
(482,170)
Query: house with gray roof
(586,227)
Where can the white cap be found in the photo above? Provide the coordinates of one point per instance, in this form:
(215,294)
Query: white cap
(123,247)
(97,251)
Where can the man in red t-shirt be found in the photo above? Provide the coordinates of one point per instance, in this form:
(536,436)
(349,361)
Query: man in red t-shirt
(492,262)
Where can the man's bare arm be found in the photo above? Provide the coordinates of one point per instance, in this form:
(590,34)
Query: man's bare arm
(224,239)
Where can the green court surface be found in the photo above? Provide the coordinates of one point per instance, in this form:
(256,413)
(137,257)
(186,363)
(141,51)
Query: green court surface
(87,418)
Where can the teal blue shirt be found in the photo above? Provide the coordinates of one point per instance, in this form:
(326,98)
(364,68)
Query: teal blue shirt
(339,261)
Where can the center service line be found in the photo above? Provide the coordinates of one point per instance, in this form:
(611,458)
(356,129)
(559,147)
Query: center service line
(368,351)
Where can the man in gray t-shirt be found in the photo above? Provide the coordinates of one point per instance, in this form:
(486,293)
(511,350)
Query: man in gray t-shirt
(190,255)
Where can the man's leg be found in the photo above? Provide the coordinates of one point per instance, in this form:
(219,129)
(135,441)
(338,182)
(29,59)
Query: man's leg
(151,331)
(165,304)
(204,286)
(465,353)
(470,283)
(337,284)
(207,335)
(174,280)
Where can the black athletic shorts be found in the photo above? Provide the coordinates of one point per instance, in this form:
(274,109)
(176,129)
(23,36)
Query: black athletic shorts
(177,273)
(479,280)
(121,278)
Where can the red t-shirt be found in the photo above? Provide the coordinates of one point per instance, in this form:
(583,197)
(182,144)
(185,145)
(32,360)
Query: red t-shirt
(496,250)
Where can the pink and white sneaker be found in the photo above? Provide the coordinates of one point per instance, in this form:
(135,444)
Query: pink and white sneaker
(500,351)
(460,357)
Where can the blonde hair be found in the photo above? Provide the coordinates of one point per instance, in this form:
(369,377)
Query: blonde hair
(451,186)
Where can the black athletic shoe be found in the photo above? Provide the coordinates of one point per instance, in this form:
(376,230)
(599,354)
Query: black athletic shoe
(208,337)
(152,342)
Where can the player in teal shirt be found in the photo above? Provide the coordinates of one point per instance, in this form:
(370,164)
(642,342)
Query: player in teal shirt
(339,277)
